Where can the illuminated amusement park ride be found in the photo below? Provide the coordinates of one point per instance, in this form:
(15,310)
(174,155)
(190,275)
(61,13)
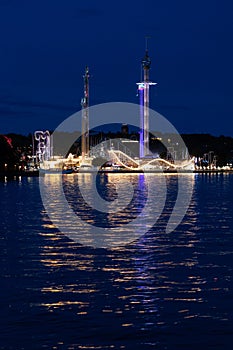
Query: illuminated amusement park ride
(121,159)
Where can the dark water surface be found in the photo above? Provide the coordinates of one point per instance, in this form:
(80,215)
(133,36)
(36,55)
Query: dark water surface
(165,291)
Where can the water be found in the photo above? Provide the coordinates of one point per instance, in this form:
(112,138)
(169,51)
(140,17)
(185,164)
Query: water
(164,291)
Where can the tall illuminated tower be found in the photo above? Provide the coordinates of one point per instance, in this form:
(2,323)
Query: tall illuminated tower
(85,115)
(144,89)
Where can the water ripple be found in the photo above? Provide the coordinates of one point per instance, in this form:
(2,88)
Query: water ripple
(164,291)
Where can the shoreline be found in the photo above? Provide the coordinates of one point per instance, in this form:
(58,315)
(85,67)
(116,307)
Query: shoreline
(36,173)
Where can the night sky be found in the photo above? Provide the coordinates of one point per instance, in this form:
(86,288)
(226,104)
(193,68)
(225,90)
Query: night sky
(45,45)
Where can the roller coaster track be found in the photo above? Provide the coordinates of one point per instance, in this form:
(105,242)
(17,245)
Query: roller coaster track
(122,159)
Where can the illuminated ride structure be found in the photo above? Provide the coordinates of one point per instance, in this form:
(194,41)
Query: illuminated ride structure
(85,117)
(155,164)
(127,161)
(144,97)
(122,155)
(117,152)
(44,146)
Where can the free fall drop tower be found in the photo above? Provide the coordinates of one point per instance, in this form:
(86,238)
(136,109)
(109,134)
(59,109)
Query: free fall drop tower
(144,97)
(85,116)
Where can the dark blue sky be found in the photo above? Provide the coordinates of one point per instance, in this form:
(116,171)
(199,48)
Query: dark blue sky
(45,45)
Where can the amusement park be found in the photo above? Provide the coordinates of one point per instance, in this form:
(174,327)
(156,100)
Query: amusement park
(122,154)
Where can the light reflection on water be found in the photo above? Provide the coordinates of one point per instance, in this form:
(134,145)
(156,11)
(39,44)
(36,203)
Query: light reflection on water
(162,291)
